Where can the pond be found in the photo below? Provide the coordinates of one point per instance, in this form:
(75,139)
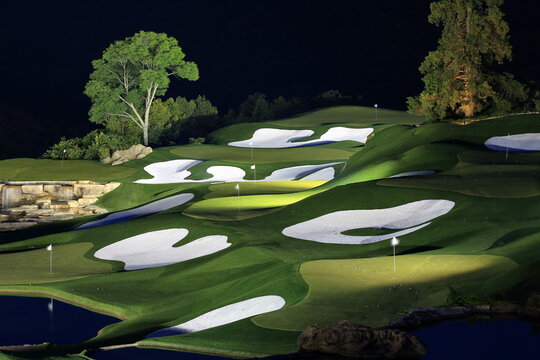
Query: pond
(481,339)
(28,320)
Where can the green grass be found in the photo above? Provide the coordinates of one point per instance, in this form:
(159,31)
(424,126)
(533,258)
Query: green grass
(260,156)
(34,169)
(487,244)
(369,292)
(32,266)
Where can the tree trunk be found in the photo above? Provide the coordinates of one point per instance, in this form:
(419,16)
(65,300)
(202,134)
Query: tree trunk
(145,135)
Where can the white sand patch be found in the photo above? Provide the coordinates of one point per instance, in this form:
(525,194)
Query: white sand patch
(296,172)
(176,171)
(155,248)
(151,208)
(515,143)
(168,172)
(413,173)
(346,134)
(410,217)
(278,138)
(323,174)
(226,315)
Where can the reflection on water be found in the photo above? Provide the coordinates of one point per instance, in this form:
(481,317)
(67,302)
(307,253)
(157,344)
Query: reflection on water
(483,339)
(28,320)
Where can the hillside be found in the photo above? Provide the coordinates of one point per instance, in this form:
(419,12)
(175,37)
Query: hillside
(303,238)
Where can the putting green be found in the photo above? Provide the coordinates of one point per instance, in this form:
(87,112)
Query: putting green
(43,169)
(243,207)
(260,156)
(369,292)
(33,266)
(262,187)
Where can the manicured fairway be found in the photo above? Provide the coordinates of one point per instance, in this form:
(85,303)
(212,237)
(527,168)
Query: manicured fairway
(33,169)
(33,266)
(260,156)
(369,292)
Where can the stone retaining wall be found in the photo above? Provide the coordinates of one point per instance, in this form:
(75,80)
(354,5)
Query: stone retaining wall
(25,203)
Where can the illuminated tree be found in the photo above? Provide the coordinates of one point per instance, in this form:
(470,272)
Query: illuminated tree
(131,74)
(460,76)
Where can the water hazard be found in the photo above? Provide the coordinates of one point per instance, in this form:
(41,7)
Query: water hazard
(28,320)
(481,339)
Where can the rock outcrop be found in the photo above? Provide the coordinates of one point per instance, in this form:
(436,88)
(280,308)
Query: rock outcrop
(25,203)
(354,340)
(121,156)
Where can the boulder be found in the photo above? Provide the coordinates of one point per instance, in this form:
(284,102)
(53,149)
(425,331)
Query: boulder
(32,189)
(354,340)
(121,156)
(534,300)
(430,314)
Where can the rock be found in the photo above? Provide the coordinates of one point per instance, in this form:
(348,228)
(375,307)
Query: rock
(82,190)
(428,314)
(32,189)
(505,309)
(4,217)
(121,156)
(43,203)
(60,207)
(110,187)
(95,209)
(12,226)
(534,300)
(87,200)
(529,312)
(353,340)
(51,189)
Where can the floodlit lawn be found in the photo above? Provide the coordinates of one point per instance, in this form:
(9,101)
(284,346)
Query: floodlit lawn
(44,169)
(262,187)
(353,115)
(487,244)
(243,207)
(32,266)
(260,156)
(369,292)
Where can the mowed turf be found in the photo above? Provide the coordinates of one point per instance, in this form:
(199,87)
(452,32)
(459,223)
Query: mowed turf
(43,169)
(368,291)
(33,266)
(261,187)
(260,156)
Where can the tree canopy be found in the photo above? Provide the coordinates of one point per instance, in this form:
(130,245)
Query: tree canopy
(461,76)
(131,74)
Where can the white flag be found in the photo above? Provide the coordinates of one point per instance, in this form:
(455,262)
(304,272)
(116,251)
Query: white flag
(49,248)
(252,167)
(237,187)
(251,143)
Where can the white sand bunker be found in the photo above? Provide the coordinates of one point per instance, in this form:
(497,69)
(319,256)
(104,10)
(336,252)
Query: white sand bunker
(155,248)
(226,315)
(176,171)
(151,208)
(515,143)
(410,217)
(413,173)
(306,172)
(278,138)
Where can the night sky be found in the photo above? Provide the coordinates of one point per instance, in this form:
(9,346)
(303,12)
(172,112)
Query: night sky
(289,48)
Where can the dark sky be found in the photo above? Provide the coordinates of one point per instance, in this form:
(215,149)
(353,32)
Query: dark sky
(289,48)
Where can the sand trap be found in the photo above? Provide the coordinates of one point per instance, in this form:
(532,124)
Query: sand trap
(168,172)
(296,172)
(151,208)
(278,138)
(226,315)
(515,143)
(155,248)
(176,171)
(322,175)
(413,173)
(410,217)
